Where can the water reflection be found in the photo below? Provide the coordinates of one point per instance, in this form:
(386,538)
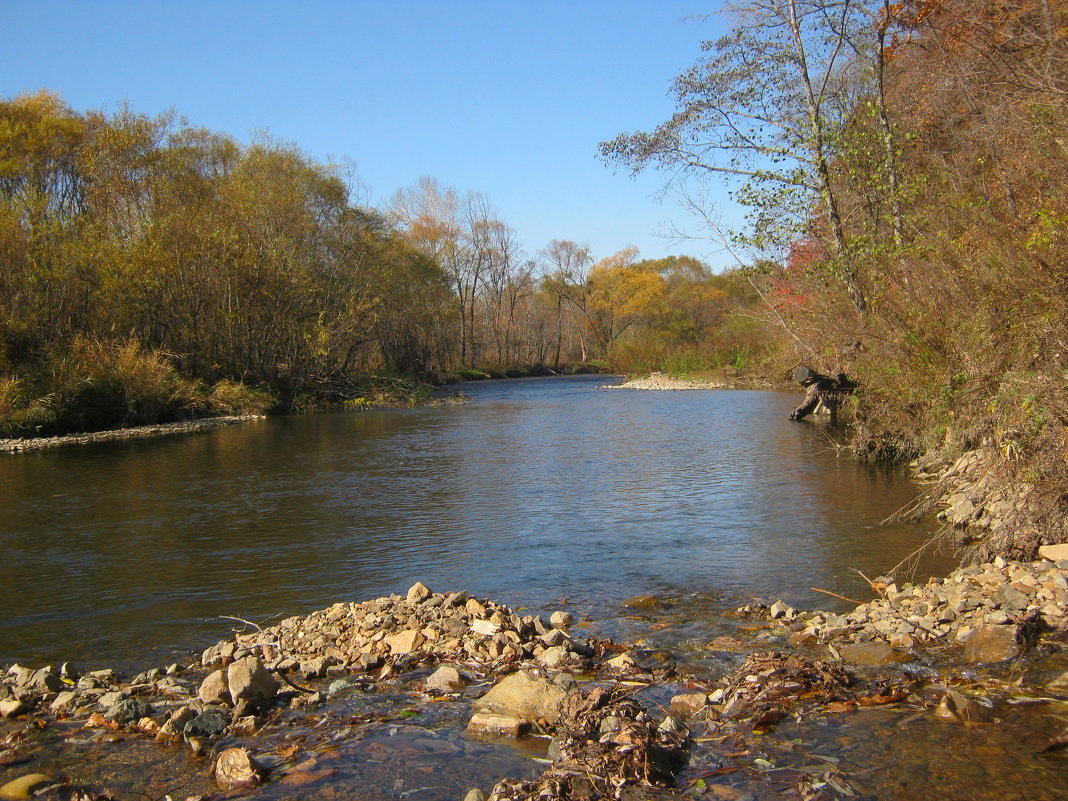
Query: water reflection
(538,489)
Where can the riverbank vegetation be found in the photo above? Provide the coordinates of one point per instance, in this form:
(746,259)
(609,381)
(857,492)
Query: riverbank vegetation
(156,271)
(906,173)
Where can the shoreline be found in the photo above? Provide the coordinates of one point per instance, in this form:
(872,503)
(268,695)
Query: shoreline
(657,381)
(27,444)
(913,654)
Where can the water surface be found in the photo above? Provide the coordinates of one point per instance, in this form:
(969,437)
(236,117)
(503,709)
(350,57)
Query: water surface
(539,489)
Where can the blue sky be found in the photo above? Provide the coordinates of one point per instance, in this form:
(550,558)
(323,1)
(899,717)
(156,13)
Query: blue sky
(506,98)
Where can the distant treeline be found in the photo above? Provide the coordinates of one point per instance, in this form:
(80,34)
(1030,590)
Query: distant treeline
(155,271)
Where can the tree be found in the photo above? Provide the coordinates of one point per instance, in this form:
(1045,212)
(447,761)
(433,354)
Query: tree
(766,109)
(568,262)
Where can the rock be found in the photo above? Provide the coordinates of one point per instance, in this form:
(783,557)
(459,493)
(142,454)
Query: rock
(992,643)
(63,700)
(316,668)
(525,695)
(418,593)
(624,663)
(45,681)
(494,724)
(561,619)
(12,708)
(1059,685)
(874,652)
(475,794)
(556,657)
(127,711)
(1054,553)
(337,686)
(250,681)
(108,700)
(686,705)
(236,768)
(958,708)
(554,637)
(405,642)
(244,727)
(214,689)
(646,602)
(671,726)
(1009,599)
(24,787)
(148,726)
(445,679)
(487,628)
(780,609)
(211,722)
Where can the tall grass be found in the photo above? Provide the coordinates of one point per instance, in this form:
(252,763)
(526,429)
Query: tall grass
(95,385)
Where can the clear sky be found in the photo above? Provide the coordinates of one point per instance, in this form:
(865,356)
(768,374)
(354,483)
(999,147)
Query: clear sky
(508,97)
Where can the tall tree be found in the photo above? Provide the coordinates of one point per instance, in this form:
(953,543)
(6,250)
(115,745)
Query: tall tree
(765,109)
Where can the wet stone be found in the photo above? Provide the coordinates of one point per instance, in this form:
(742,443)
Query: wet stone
(127,711)
(992,643)
(209,723)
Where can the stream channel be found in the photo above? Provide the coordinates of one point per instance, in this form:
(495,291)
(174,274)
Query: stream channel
(538,493)
(538,489)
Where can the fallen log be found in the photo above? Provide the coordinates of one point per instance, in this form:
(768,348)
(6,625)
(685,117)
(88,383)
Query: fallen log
(823,391)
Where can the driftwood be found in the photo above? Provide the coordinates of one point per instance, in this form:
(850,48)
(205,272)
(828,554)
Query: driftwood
(823,391)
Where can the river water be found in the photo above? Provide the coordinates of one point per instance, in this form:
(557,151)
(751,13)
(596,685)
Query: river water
(539,489)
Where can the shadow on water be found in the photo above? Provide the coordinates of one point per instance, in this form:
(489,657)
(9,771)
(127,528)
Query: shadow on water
(537,490)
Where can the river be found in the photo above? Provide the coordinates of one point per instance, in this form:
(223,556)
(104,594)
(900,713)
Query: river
(129,553)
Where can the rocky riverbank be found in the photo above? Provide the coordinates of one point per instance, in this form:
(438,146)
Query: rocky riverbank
(660,381)
(278,707)
(139,432)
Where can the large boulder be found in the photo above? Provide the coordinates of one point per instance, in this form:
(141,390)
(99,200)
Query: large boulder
(250,681)
(527,696)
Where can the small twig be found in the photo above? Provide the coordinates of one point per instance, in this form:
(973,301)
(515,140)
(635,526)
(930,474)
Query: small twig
(836,595)
(265,645)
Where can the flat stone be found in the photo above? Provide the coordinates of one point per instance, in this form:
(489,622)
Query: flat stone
(24,787)
(875,652)
(647,602)
(63,700)
(992,643)
(446,679)
(686,705)
(405,642)
(525,695)
(1009,599)
(1054,553)
(418,593)
(127,711)
(12,708)
(494,724)
(487,628)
